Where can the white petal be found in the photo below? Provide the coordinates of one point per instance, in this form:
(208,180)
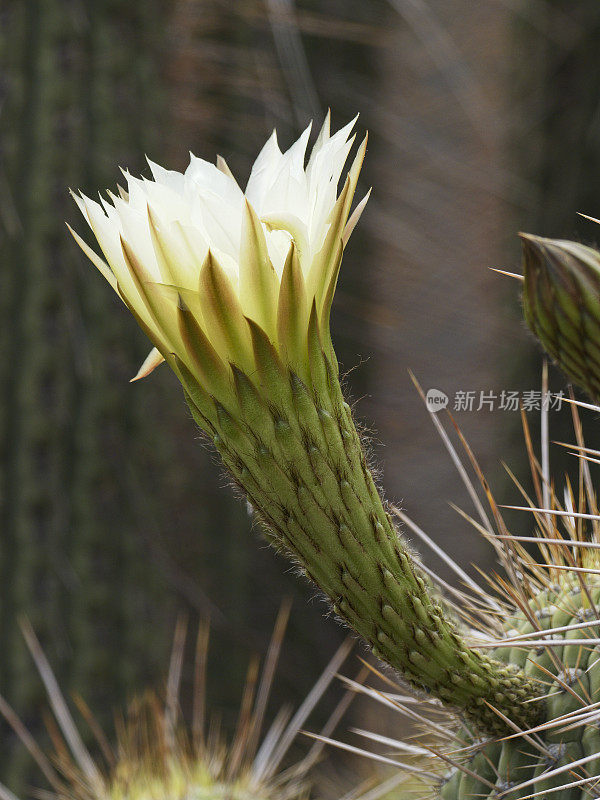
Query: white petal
(108,236)
(168,203)
(135,229)
(293,159)
(278,244)
(219,222)
(329,143)
(167,177)
(262,173)
(209,180)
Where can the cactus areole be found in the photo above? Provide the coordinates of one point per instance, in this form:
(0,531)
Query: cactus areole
(234,290)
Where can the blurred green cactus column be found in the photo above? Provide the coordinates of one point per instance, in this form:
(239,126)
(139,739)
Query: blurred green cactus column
(75,99)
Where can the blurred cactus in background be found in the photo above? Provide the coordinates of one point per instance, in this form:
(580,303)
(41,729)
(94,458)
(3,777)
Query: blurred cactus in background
(160,753)
(68,495)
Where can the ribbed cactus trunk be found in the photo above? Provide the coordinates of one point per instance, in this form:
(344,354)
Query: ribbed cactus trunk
(75,80)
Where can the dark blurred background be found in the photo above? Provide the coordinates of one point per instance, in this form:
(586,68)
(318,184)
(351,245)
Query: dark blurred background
(484,119)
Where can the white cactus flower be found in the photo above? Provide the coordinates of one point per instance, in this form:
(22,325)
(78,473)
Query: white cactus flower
(194,258)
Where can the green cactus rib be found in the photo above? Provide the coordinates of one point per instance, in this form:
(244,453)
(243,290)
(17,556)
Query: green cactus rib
(515,768)
(561,303)
(296,454)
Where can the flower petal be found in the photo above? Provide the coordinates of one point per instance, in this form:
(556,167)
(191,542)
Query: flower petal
(262,172)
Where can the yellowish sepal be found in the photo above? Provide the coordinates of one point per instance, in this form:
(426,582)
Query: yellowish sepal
(326,260)
(292,314)
(223,315)
(269,368)
(160,311)
(212,373)
(199,399)
(353,221)
(259,284)
(328,300)
(98,262)
(316,359)
(223,167)
(318,277)
(158,345)
(153,360)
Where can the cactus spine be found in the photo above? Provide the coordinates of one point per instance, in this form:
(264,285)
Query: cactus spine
(552,628)
(564,749)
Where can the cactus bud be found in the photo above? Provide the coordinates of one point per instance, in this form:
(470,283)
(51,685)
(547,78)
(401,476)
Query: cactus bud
(561,302)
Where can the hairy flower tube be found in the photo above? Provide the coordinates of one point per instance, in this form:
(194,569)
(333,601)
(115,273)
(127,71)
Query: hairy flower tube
(234,289)
(561,302)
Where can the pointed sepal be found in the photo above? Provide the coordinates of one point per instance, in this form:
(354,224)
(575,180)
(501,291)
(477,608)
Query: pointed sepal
(292,313)
(211,371)
(259,283)
(223,315)
(153,360)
